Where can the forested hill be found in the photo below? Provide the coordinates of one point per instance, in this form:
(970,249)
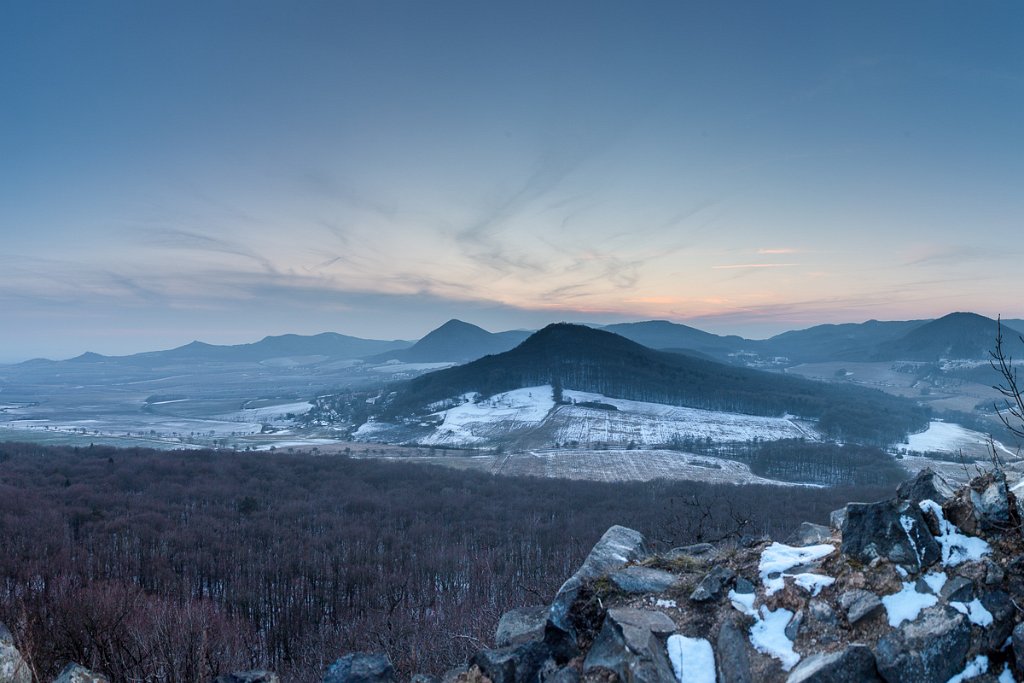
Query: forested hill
(582,358)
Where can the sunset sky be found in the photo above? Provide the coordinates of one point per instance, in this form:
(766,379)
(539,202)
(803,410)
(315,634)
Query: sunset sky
(222,171)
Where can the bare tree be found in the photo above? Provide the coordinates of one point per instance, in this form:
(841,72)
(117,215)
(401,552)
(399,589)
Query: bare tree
(1011,412)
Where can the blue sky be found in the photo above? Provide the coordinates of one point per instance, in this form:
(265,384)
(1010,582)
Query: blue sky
(226,170)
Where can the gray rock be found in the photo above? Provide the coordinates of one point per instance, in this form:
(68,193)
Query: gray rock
(714,584)
(632,644)
(930,649)
(248,677)
(822,612)
(743,586)
(927,485)
(809,534)
(792,629)
(855,664)
(893,530)
(990,500)
(859,604)
(361,667)
(521,625)
(732,652)
(837,518)
(637,579)
(617,547)
(524,663)
(76,673)
(13,668)
(994,574)
(957,589)
(566,674)
(1000,606)
(1018,646)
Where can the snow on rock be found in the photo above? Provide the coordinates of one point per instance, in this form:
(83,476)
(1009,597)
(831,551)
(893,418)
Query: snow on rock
(975,667)
(744,602)
(956,546)
(935,581)
(975,611)
(906,604)
(768,636)
(778,558)
(1007,675)
(692,659)
(812,583)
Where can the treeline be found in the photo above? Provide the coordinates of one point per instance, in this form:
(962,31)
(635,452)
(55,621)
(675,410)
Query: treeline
(177,566)
(828,464)
(585,359)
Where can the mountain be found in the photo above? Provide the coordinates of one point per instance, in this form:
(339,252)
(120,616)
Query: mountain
(662,334)
(592,360)
(954,336)
(845,342)
(456,341)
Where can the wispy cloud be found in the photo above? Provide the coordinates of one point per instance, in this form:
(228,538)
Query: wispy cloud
(737,266)
(782,250)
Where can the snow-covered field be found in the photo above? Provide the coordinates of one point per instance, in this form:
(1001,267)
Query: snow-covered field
(948,437)
(530,418)
(626,465)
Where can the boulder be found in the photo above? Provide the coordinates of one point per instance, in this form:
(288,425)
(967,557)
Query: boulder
(521,625)
(858,604)
(931,649)
(990,500)
(1018,646)
(523,663)
(361,667)
(1000,606)
(616,548)
(248,677)
(809,534)
(837,518)
(927,485)
(893,530)
(632,644)
(76,673)
(957,589)
(637,579)
(714,584)
(855,664)
(732,650)
(13,668)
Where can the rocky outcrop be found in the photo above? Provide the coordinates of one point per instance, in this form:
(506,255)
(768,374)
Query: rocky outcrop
(894,591)
(75,673)
(361,668)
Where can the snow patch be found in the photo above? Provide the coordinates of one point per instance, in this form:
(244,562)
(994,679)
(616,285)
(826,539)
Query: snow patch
(957,547)
(779,558)
(692,659)
(975,667)
(768,636)
(660,602)
(975,611)
(935,581)
(906,604)
(744,602)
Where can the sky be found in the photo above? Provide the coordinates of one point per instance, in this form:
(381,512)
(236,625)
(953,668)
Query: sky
(222,171)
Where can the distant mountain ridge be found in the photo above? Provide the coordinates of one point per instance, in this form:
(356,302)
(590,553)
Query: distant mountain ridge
(456,341)
(587,359)
(957,335)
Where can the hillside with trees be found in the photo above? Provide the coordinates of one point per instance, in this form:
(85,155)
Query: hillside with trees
(585,359)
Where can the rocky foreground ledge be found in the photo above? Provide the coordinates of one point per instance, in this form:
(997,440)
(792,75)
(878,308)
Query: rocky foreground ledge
(926,587)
